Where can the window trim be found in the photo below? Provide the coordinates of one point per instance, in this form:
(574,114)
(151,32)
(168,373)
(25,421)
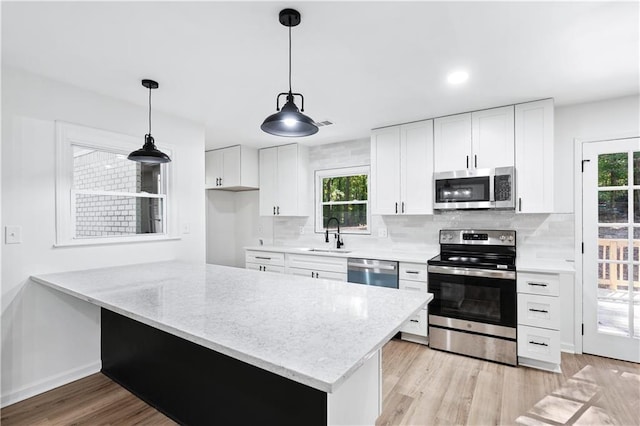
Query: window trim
(67,135)
(338,172)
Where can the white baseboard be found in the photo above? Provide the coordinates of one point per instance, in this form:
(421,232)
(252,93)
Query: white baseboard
(49,383)
(569,348)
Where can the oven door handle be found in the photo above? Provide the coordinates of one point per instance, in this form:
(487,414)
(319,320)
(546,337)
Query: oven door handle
(472,272)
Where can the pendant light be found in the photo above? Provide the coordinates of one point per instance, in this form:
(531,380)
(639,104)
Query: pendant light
(149,153)
(288,121)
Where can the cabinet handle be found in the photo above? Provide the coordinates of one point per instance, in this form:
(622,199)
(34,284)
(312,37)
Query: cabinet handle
(278,209)
(396,208)
(414,320)
(260,267)
(538,310)
(519,204)
(467,161)
(313,274)
(263,258)
(537,343)
(274,210)
(403,207)
(475,161)
(412,272)
(317,275)
(537,284)
(220,181)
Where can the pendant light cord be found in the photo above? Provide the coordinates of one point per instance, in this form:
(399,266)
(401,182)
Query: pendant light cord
(289,57)
(149,110)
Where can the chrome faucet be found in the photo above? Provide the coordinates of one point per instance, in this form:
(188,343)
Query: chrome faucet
(339,242)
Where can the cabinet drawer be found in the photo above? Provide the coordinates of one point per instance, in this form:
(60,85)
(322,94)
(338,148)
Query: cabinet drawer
(417,324)
(264,258)
(413,271)
(539,344)
(265,268)
(317,263)
(538,283)
(335,276)
(539,311)
(413,285)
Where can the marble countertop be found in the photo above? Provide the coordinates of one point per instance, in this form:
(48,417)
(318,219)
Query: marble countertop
(417,256)
(316,332)
(544,265)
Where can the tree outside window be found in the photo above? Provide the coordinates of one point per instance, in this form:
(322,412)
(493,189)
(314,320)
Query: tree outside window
(343,194)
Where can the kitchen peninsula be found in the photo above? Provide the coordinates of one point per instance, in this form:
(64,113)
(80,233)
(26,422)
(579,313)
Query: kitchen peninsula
(214,344)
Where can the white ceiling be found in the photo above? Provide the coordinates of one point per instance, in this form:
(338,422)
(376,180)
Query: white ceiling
(359,64)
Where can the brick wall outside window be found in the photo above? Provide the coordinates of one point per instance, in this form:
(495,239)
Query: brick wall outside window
(106,215)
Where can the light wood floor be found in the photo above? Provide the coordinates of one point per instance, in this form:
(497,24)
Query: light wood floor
(420,387)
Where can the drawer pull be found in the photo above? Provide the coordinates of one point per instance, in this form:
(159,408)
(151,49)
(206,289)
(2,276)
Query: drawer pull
(539,310)
(263,258)
(412,272)
(537,284)
(537,343)
(414,320)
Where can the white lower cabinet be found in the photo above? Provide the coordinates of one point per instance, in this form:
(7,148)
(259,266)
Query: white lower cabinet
(413,277)
(539,320)
(264,261)
(324,267)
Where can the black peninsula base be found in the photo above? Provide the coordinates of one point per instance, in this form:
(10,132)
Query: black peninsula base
(195,385)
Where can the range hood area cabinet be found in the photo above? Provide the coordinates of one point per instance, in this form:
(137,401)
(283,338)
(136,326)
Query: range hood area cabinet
(474,140)
(534,156)
(402,169)
(234,168)
(284,180)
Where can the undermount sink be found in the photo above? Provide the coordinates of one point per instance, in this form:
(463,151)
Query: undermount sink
(326,250)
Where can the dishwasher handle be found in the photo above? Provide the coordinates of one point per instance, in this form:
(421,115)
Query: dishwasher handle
(366,266)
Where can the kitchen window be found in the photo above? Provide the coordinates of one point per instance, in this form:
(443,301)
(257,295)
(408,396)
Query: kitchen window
(343,194)
(102,197)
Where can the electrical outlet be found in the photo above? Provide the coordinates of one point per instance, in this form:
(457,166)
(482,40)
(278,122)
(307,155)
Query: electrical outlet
(302,230)
(13,234)
(382,232)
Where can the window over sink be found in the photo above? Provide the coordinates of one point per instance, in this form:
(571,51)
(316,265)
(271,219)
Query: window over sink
(101,196)
(343,194)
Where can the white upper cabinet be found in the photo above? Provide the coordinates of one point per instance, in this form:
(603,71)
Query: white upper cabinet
(234,168)
(401,169)
(452,142)
(476,140)
(492,142)
(534,156)
(385,170)
(283,180)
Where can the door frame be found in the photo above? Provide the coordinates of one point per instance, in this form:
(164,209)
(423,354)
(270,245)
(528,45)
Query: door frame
(577,233)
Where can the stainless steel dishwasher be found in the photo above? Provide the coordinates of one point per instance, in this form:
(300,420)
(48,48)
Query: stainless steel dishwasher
(381,273)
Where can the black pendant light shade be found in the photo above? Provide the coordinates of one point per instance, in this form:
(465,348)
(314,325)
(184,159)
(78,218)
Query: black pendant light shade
(149,153)
(289,121)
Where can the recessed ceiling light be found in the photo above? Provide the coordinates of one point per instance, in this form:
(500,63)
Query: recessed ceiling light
(457,77)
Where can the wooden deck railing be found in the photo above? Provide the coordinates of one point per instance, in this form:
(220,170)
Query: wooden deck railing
(614,276)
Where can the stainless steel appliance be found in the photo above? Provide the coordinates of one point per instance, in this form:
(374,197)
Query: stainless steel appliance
(475,189)
(473,281)
(381,273)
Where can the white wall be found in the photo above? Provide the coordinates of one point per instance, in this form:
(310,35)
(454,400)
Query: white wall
(607,119)
(48,338)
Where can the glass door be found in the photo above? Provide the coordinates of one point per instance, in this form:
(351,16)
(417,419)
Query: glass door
(611,236)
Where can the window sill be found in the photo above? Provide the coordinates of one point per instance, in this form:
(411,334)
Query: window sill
(118,240)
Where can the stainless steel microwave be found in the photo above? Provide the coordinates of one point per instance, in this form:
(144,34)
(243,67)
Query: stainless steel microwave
(475,189)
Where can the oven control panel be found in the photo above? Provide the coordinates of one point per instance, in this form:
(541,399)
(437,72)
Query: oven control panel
(484,237)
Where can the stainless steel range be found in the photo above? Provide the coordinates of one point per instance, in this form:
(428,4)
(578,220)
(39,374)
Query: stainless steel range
(473,281)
